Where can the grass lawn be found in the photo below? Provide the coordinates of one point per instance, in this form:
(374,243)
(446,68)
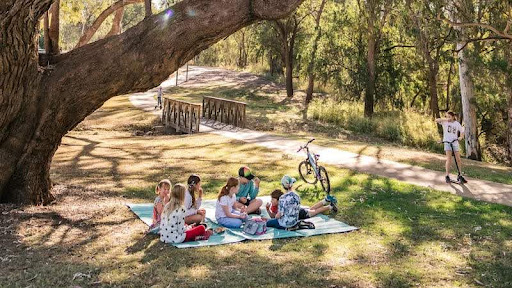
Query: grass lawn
(409,236)
(268,109)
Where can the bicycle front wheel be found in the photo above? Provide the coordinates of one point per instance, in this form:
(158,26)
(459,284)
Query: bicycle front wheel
(324,179)
(306,172)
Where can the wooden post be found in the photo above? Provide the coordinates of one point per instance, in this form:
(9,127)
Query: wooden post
(243,121)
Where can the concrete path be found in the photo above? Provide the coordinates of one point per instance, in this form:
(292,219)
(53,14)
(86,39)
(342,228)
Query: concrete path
(477,189)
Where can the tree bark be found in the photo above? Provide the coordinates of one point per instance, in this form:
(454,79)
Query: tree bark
(311,65)
(369,95)
(89,32)
(40,106)
(448,86)
(117,22)
(147,8)
(289,70)
(468,106)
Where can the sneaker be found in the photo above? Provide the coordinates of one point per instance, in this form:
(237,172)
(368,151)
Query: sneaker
(461,179)
(205,236)
(331,199)
(306,225)
(334,208)
(219,230)
(448,180)
(293,228)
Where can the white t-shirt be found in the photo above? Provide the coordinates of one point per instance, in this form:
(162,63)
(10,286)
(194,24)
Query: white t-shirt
(450,130)
(224,201)
(191,210)
(172,226)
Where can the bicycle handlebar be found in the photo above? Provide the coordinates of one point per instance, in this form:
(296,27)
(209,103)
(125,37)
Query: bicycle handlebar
(302,147)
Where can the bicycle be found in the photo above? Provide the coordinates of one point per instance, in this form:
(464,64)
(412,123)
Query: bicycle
(460,178)
(311,172)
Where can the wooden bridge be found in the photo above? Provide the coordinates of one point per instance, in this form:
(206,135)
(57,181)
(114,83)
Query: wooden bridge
(180,115)
(185,116)
(226,111)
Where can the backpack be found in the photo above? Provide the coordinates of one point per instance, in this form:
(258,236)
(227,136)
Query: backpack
(255,226)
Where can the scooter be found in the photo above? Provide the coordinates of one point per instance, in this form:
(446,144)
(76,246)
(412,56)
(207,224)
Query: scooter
(460,178)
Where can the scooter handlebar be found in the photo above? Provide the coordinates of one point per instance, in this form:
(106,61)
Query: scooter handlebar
(448,142)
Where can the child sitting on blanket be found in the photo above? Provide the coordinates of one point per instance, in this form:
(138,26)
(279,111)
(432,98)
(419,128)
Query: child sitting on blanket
(172,226)
(288,207)
(162,190)
(272,208)
(228,212)
(327,204)
(193,211)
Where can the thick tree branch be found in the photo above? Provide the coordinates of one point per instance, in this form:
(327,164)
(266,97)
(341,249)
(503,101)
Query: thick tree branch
(145,55)
(486,39)
(503,34)
(398,46)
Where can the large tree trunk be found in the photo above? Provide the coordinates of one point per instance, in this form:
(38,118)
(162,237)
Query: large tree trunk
(468,106)
(40,106)
(311,65)
(90,31)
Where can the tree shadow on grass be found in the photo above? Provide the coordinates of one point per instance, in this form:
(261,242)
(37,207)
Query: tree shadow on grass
(427,216)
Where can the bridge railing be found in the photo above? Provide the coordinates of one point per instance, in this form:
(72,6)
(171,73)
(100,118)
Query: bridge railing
(225,111)
(180,115)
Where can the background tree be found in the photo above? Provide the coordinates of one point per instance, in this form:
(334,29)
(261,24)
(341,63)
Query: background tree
(430,38)
(147,8)
(312,60)
(375,12)
(117,6)
(286,32)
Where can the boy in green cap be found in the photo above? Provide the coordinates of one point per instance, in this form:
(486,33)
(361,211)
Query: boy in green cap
(248,191)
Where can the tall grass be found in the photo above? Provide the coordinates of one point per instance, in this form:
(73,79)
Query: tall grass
(405,127)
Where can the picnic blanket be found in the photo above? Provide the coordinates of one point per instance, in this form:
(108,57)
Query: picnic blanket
(323,224)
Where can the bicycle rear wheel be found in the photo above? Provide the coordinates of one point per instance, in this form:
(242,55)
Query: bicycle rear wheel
(306,173)
(324,179)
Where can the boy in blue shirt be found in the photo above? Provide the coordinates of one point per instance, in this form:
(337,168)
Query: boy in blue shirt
(289,210)
(248,191)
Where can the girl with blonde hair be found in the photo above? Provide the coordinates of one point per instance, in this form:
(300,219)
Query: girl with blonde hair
(172,226)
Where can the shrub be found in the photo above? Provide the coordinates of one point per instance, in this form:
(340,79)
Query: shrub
(405,127)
